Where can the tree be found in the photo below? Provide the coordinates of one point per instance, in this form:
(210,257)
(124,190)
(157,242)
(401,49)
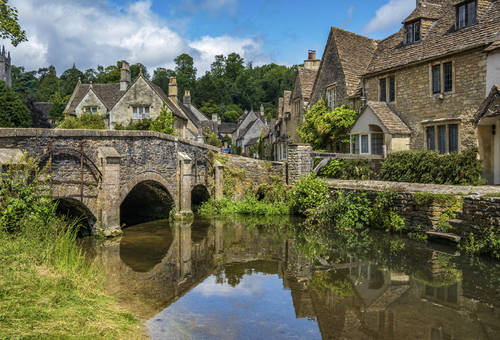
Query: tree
(211,138)
(37,116)
(165,122)
(209,108)
(13,113)
(185,72)
(9,27)
(323,127)
(229,139)
(24,83)
(234,66)
(161,77)
(68,80)
(231,116)
(218,66)
(49,84)
(136,68)
(56,112)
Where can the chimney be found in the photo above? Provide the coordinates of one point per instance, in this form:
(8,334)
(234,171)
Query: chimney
(172,90)
(219,121)
(214,117)
(262,110)
(312,63)
(125,76)
(280,108)
(186,100)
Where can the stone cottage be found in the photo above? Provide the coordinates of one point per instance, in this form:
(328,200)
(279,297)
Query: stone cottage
(433,75)
(249,127)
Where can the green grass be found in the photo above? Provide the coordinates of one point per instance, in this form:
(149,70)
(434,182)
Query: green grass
(426,198)
(496,194)
(251,205)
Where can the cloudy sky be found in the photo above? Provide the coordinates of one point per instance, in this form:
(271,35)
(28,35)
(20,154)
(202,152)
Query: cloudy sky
(154,32)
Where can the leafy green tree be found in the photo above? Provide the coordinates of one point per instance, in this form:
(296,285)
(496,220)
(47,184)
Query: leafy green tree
(207,89)
(90,75)
(49,85)
(135,69)
(25,83)
(56,112)
(87,121)
(234,66)
(161,77)
(209,108)
(323,127)
(217,69)
(211,138)
(110,74)
(231,116)
(185,72)
(9,27)
(13,113)
(68,80)
(165,122)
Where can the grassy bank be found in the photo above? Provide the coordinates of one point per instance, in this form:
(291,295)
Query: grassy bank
(47,288)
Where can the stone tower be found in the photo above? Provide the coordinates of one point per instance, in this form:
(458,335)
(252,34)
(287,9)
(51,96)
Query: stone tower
(5,67)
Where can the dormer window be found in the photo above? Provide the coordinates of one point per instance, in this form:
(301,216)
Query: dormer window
(412,32)
(466,14)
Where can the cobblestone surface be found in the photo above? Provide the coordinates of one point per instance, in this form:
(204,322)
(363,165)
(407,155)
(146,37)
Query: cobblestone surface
(416,187)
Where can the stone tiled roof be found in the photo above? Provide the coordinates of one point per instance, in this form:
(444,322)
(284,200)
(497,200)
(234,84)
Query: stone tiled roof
(306,78)
(252,141)
(189,114)
(176,111)
(424,10)
(109,94)
(441,39)
(286,98)
(391,121)
(227,127)
(485,111)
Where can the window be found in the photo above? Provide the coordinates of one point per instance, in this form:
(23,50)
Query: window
(330,97)
(442,77)
(412,32)
(387,89)
(364,143)
(442,138)
(377,143)
(140,112)
(91,110)
(356,144)
(466,14)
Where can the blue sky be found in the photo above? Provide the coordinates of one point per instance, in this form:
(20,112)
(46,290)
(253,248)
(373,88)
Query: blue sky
(91,32)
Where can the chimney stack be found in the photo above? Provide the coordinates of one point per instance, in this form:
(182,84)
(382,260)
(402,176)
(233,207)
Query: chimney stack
(312,63)
(262,110)
(172,90)
(280,108)
(214,117)
(186,100)
(125,77)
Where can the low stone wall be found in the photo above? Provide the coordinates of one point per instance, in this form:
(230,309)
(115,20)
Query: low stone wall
(249,173)
(477,214)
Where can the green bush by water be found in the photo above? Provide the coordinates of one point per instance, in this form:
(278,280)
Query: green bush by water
(348,169)
(429,167)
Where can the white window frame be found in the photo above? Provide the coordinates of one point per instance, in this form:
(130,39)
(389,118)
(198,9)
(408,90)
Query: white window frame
(331,97)
(141,112)
(92,109)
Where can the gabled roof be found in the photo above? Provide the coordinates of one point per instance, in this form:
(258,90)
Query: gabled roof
(226,128)
(485,109)
(441,39)
(109,94)
(387,117)
(424,10)
(304,82)
(190,115)
(252,141)
(175,110)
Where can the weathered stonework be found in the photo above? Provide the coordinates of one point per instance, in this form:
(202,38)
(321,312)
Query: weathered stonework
(299,161)
(478,213)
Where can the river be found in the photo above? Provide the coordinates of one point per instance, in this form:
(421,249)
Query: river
(243,277)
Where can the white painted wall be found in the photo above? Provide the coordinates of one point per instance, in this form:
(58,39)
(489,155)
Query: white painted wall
(492,70)
(364,121)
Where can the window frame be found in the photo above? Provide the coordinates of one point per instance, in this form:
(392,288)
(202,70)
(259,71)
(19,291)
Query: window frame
(414,37)
(389,82)
(467,14)
(146,112)
(90,109)
(446,77)
(455,123)
(331,97)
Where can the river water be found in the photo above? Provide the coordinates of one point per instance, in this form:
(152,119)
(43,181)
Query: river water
(263,278)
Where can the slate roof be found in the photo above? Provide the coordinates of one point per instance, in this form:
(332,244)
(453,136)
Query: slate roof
(306,78)
(484,111)
(226,128)
(391,121)
(189,114)
(441,39)
(252,141)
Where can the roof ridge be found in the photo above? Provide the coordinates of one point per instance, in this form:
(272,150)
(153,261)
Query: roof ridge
(350,32)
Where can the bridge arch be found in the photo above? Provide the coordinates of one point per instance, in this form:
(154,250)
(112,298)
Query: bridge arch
(75,209)
(199,194)
(148,196)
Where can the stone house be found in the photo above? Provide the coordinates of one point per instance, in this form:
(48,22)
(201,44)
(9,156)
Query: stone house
(130,102)
(281,129)
(301,92)
(269,140)
(433,75)
(249,126)
(339,77)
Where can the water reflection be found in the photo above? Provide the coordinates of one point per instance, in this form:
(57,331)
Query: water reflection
(256,278)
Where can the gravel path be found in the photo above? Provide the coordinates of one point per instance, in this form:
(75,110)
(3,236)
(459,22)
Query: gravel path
(416,187)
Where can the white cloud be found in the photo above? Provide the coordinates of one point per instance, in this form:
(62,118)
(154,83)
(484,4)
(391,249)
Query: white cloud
(92,32)
(389,16)
(349,16)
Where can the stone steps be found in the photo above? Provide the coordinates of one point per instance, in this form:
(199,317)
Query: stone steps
(446,237)
(456,223)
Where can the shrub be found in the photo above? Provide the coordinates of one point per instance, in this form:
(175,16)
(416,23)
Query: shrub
(308,193)
(142,125)
(13,113)
(165,122)
(85,121)
(349,169)
(429,167)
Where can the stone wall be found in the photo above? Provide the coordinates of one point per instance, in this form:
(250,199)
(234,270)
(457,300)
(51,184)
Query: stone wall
(415,101)
(299,161)
(251,173)
(477,214)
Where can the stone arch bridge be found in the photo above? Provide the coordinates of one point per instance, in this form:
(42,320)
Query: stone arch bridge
(102,173)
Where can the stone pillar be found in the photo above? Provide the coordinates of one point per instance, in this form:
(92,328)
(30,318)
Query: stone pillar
(219,180)
(299,161)
(184,196)
(109,193)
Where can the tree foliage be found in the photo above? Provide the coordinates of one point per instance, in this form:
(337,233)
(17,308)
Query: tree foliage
(13,113)
(56,112)
(9,27)
(323,127)
(165,122)
(87,121)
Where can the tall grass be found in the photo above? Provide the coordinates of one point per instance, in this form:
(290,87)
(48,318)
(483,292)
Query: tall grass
(48,290)
(251,205)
